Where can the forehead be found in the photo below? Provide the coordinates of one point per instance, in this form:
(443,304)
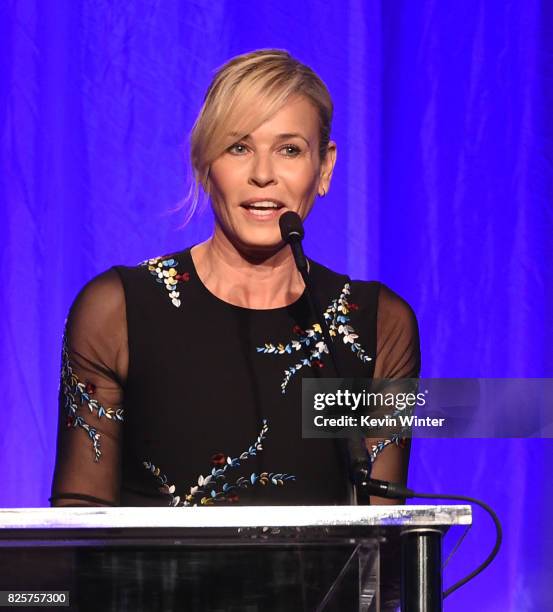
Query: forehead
(297,115)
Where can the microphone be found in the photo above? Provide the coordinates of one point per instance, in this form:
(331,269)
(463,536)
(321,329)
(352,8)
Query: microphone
(292,232)
(291,227)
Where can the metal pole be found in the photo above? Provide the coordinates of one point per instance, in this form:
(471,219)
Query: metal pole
(421,570)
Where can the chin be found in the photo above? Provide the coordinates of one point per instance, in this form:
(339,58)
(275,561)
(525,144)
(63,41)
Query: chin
(266,243)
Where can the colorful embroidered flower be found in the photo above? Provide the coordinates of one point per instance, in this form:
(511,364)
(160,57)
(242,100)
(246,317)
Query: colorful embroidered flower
(164,269)
(219,459)
(348,332)
(321,347)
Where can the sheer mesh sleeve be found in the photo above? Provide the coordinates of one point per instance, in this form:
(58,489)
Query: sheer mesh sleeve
(397,357)
(397,338)
(94,370)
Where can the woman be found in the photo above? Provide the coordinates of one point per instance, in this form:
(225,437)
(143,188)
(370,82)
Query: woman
(181,377)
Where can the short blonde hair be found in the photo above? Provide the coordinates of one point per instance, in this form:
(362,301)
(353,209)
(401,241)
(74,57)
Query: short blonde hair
(244,93)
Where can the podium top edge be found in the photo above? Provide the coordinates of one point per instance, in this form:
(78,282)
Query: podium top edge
(234,517)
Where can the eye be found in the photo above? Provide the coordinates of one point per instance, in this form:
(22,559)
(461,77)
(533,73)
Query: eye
(291,150)
(238,148)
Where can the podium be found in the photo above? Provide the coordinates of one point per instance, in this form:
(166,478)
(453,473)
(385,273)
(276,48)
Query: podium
(232,558)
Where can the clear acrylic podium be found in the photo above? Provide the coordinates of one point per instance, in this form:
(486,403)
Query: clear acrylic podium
(243,559)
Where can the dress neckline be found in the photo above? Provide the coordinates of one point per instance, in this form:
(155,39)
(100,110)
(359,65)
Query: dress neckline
(194,274)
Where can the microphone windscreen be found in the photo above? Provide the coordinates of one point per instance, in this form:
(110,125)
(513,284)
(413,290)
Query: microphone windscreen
(291,227)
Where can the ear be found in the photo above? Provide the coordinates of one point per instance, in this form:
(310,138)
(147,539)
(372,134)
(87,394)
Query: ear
(327,168)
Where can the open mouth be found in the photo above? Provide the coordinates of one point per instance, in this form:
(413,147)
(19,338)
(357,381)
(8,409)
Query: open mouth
(265,208)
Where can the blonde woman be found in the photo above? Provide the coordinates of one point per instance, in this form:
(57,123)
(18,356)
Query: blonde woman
(181,378)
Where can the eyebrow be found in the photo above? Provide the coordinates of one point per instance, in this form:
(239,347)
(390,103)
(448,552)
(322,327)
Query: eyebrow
(284,136)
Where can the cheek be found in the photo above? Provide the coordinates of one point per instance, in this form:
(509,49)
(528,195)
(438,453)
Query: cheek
(225,170)
(222,185)
(219,181)
(303,181)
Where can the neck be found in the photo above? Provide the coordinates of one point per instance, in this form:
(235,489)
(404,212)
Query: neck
(257,281)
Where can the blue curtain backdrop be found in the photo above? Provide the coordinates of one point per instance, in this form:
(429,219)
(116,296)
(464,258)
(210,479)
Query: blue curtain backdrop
(443,190)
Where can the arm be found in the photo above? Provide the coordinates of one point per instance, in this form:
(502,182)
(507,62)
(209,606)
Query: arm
(397,356)
(94,369)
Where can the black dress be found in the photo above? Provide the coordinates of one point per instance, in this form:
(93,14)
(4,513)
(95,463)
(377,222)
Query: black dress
(171,396)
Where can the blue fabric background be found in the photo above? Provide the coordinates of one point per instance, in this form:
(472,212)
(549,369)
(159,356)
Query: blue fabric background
(443,190)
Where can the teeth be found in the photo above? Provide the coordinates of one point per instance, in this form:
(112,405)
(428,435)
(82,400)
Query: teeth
(261,212)
(263,205)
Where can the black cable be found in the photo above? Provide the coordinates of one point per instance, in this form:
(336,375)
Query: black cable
(381,488)
(498,536)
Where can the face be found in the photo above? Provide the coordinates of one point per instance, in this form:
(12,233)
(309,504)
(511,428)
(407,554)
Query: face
(274,169)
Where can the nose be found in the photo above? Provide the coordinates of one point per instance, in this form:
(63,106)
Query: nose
(262,171)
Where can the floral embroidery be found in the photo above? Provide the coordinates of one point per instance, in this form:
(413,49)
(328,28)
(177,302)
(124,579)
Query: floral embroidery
(397,438)
(214,487)
(377,448)
(77,394)
(337,315)
(165,271)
